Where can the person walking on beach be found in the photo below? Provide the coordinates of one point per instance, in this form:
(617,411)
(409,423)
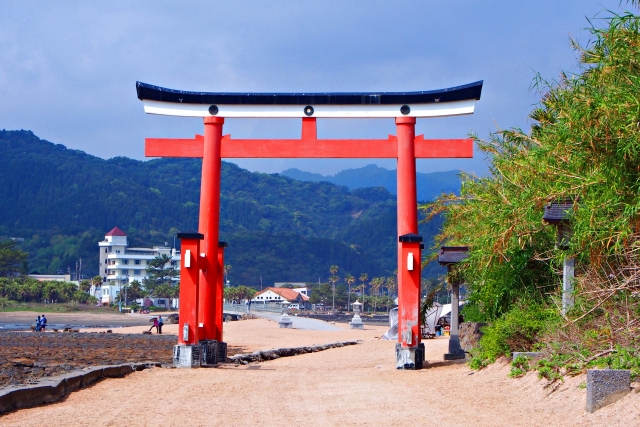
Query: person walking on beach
(43,323)
(155,324)
(38,324)
(160,323)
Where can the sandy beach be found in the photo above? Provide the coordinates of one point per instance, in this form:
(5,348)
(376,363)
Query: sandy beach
(349,386)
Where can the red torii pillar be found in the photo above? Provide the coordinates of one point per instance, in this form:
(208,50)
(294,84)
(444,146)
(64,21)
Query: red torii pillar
(209,226)
(409,256)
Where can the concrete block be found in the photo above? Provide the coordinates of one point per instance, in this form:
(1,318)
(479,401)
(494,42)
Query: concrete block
(56,387)
(91,375)
(605,386)
(406,357)
(209,352)
(222,352)
(117,371)
(73,381)
(420,356)
(454,356)
(531,355)
(186,356)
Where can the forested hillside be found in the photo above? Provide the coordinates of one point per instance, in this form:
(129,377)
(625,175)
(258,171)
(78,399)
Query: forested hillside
(429,185)
(62,201)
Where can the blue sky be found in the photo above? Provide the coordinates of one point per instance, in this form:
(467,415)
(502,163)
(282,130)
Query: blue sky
(68,69)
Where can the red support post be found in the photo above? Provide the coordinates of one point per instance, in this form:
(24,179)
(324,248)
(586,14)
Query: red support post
(407,196)
(408,278)
(220,293)
(189,281)
(409,269)
(209,225)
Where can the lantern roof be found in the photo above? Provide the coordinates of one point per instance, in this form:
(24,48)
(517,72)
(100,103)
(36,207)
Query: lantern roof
(449,255)
(559,211)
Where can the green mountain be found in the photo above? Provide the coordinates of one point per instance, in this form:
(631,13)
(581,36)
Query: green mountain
(62,201)
(429,185)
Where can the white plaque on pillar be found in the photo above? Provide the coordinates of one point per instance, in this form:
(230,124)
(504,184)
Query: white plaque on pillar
(410,261)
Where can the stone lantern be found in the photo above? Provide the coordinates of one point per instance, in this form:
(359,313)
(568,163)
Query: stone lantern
(285,321)
(450,256)
(559,214)
(356,322)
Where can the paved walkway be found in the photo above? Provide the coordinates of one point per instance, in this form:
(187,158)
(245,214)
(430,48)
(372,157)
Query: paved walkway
(300,322)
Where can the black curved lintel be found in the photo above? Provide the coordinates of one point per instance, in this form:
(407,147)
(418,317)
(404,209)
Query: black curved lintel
(469,91)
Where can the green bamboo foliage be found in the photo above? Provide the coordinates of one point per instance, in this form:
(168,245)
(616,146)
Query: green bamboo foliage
(584,143)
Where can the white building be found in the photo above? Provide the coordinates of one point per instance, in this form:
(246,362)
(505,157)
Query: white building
(281,295)
(53,278)
(120,264)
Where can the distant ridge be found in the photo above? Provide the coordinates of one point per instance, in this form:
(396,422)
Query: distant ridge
(430,185)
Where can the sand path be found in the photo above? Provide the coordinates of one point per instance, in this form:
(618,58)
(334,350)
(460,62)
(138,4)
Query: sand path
(350,386)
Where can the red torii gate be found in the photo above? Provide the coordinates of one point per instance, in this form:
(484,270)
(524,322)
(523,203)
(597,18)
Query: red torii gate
(201,285)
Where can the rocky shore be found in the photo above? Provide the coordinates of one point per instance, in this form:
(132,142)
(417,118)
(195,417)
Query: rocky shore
(27,357)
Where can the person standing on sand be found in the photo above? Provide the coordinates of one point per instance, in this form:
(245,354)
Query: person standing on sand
(38,324)
(43,323)
(155,324)
(160,323)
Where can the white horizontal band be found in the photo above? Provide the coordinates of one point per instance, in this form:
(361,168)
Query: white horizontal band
(443,109)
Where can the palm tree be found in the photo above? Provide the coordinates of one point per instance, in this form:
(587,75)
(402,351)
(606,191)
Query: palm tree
(376,284)
(363,279)
(349,279)
(85,286)
(333,279)
(135,291)
(392,284)
(225,271)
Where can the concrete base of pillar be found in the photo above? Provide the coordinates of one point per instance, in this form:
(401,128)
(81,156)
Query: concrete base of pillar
(356,322)
(285,321)
(454,356)
(209,353)
(186,356)
(455,351)
(409,357)
(222,352)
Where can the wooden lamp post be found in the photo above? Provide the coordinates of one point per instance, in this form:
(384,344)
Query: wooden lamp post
(559,213)
(450,256)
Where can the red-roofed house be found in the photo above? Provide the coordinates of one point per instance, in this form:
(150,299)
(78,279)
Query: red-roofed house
(116,232)
(281,295)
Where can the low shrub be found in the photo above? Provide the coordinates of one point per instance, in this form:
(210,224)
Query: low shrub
(517,330)
(519,367)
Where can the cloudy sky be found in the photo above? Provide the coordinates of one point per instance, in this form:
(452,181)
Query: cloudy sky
(68,69)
